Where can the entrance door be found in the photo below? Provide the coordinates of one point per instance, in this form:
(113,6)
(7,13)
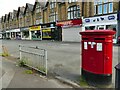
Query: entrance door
(59,33)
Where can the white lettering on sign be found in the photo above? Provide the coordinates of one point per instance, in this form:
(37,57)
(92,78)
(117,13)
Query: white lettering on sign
(89,43)
(85,45)
(99,46)
(92,44)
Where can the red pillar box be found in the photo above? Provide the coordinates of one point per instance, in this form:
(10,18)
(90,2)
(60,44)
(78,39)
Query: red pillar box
(97,55)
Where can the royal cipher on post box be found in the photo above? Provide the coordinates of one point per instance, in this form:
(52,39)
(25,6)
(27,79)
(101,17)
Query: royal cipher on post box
(97,55)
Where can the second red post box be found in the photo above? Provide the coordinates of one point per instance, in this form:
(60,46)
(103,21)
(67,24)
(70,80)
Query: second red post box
(97,55)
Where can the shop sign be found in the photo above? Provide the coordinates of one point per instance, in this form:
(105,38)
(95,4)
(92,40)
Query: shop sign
(111,17)
(15,30)
(46,37)
(24,29)
(105,18)
(46,30)
(34,28)
(70,22)
(87,20)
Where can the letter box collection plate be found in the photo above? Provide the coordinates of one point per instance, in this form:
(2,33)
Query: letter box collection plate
(85,45)
(99,46)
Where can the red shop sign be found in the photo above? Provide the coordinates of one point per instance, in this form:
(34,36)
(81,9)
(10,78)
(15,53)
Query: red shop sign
(70,22)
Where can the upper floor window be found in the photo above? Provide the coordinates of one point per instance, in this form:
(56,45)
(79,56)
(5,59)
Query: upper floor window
(52,5)
(70,1)
(20,15)
(100,9)
(53,17)
(27,12)
(38,8)
(110,7)
(74,12)
(103,7)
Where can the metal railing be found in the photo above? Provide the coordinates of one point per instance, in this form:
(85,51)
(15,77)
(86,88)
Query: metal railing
(34,57)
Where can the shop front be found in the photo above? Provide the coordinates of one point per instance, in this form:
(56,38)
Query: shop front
(35,32)
(48,31)
(25,33)
(70,30)
(0,35)
(102,22)
(15,34)
(3,34)
(8,34)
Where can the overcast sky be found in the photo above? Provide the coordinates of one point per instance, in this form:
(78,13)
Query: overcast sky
(7,6)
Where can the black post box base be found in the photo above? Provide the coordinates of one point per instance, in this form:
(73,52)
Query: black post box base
(97,78)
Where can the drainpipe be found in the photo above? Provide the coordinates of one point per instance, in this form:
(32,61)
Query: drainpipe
(83,2)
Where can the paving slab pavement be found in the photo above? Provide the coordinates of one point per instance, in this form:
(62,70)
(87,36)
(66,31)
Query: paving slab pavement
(16,77)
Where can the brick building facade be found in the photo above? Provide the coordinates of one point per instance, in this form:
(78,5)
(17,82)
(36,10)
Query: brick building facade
(48,14)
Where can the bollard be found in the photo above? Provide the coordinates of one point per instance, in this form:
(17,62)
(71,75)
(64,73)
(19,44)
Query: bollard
(117,77)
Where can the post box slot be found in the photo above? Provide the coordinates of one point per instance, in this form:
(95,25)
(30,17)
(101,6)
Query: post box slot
(99,38)
(85,38)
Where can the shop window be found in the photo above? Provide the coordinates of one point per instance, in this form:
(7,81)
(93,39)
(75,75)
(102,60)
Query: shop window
(25,34)
(90,28)
(46,33)
(36,34)
(112,27)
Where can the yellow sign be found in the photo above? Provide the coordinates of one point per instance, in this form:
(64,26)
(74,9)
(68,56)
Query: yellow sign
(46,37)
(34,28)
(46,30)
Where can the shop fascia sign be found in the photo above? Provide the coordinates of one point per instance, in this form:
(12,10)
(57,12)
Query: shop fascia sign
(105,18)
(24,29)
(46,29)
(15,30)
(76,22)
(34,28)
